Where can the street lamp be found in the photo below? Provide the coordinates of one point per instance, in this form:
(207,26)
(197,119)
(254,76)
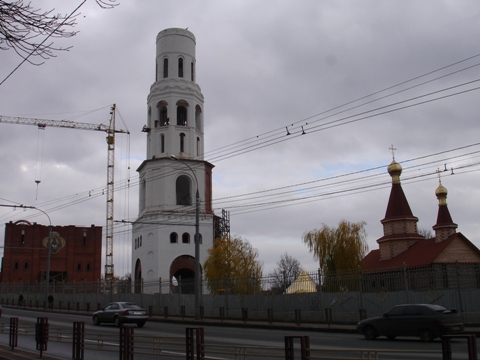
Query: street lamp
(49,248)
(197,278)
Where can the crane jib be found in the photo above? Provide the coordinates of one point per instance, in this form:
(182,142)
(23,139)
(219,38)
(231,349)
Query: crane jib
(110,130)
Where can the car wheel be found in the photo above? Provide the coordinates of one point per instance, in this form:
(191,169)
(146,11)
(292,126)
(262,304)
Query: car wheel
(391,337)
(96,321)
(370,333)
(116,321)
(426,335)
(140,324)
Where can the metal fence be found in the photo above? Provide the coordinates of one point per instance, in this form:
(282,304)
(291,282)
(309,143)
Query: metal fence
(341,297)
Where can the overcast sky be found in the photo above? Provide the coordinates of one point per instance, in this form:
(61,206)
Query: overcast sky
(358,76)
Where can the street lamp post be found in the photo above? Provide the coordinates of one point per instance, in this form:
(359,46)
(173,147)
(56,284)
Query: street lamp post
(49,248)
(197,278)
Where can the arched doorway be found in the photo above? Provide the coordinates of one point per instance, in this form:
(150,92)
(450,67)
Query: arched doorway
(182,274)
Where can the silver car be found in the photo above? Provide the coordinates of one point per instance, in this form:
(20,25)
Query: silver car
(120,313)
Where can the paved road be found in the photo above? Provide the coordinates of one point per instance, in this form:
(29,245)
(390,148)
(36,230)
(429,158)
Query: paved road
(221,336)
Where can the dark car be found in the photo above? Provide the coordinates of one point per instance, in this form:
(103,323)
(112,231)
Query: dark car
(120,313)
(426,321)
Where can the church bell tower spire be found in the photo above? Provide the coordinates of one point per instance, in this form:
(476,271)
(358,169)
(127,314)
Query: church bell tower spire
(174,170)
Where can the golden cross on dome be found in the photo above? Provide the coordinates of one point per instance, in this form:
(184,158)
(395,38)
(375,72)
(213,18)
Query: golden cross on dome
(439,176)
(393,151)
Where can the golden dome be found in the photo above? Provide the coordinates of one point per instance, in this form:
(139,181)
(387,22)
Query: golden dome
(395,170)
(441,190)
(441,193)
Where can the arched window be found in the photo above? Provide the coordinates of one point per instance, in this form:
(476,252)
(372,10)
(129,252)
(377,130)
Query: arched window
(25,266)
(184,195)
(180,67)
(165,68)
(182,142)
(15,265)
(22,236)
(173,238)
(198,145)
(143,194)
(88,267)
(162,113)
(198,118)
(79,266)
(181,115)
(162,143)
(186,238)
(192,70)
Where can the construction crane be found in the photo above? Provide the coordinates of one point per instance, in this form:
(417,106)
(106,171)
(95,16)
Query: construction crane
(111,131)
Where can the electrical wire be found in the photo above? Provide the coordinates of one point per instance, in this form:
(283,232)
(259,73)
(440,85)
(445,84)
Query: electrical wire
(48,37)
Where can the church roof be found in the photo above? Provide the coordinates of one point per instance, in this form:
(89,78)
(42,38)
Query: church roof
(421,253)
(444,217)
(302,284)
(398,206)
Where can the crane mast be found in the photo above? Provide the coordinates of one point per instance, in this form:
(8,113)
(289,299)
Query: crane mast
(111,131)
(109,273)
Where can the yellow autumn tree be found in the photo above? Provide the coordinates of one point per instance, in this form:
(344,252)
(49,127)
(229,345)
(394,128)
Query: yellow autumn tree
(232,267)
(338,249)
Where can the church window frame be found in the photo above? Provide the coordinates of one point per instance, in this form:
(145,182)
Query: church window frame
(173,237)
(182,118)
(185,238)
(149,117)
(162,110)
(162,143)
(198,118)
(165,67)
(182,142)
(180,67)
(143,194)
(182,112)
(183,190)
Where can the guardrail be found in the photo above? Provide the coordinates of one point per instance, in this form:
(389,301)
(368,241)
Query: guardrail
(193,346)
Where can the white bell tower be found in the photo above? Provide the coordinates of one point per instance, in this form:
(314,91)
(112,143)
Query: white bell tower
(164,232)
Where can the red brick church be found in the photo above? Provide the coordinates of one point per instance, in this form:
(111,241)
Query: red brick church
(402,247)
(75,255)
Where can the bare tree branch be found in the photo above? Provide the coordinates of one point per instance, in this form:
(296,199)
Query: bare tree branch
(24,28)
